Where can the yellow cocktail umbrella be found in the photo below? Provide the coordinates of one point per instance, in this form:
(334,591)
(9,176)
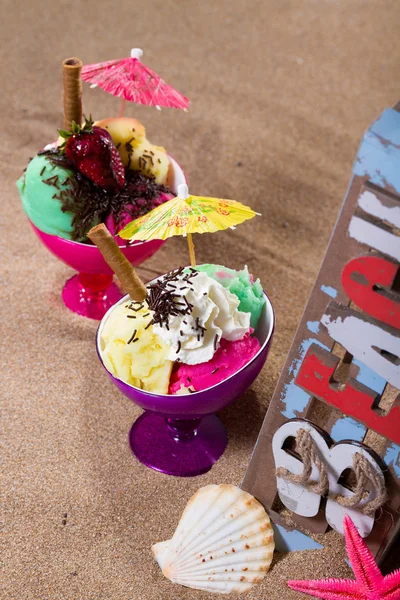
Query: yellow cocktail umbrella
(185,215)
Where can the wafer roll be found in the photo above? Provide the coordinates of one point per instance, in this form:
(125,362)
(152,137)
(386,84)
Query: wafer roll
(116,260)
(72,81)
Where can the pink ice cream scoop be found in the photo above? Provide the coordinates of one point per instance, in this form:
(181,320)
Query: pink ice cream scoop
(134,210)
(228,359)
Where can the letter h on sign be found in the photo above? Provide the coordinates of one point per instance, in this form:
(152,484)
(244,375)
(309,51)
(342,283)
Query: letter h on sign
(342,379)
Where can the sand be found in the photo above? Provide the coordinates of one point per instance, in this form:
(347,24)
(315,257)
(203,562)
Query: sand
(281,94)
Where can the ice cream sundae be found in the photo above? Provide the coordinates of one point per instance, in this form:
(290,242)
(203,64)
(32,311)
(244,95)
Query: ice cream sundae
(98,172)
(190,332)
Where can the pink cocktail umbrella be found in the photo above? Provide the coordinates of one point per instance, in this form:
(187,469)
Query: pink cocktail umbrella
(131,80)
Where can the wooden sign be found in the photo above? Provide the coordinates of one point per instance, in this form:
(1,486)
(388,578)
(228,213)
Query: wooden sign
(341,380)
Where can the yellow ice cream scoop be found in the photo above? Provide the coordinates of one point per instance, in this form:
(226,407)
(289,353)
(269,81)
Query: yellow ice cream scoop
(132,351)
(136,151)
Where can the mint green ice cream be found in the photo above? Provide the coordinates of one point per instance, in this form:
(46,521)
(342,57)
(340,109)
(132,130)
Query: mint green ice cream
(242,284)
(39,198)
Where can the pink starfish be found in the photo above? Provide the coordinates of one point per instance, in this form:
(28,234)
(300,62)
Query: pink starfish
(369,584)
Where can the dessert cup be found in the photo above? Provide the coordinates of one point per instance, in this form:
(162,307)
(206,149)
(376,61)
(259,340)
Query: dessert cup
(180,434)
(92,292)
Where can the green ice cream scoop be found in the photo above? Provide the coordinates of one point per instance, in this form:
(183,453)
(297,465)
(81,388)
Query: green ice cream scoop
(40,187)
(242,284)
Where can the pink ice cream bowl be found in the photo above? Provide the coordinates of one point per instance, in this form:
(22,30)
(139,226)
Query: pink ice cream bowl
(180,434)
(92,292)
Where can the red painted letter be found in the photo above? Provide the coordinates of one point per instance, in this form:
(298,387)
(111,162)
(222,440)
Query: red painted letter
(360,276)
(353,399)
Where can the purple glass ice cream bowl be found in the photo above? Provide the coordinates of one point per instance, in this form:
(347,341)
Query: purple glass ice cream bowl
(180,434)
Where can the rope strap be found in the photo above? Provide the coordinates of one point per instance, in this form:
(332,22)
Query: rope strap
(309,454)
(367,478)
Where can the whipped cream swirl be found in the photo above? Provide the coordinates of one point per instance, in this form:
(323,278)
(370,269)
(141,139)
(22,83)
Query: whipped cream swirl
(194,337)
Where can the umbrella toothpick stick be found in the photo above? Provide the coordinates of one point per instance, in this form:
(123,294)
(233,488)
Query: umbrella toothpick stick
(121,110)
(183,192)
(191,250)
(135,53)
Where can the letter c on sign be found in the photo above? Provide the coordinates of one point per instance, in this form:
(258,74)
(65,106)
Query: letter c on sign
(361,279)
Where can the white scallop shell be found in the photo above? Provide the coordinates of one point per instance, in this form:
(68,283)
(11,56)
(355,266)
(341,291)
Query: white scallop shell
(223,543)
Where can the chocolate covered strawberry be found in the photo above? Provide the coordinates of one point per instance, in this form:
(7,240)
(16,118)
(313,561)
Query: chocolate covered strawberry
(91,150)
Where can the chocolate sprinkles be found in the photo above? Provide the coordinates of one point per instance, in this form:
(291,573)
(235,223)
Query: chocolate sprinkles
(164,298)
(215,342)
(53,181)
(90,204)
(149,157)
(132,338)
(131,307)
